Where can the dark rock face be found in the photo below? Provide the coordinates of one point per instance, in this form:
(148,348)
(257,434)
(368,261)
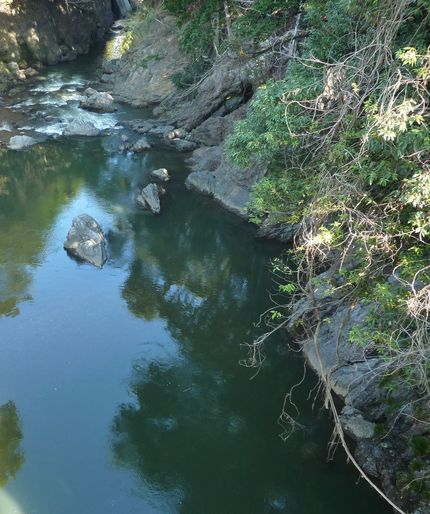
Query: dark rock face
(122,8)
(273,228)
(86,241)
(149,198)
(48,32)
(213,174)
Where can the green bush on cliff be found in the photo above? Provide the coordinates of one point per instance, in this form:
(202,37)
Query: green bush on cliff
(206,25)
(345,135)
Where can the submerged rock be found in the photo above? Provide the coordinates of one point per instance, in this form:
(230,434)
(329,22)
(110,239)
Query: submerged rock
(141,145)
(161,174)
(86,240)
(149,198)
(21,142)
(81,128)
(98,101)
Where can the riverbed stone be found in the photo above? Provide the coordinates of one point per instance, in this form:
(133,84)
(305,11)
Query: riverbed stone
(98,101)
(161,174)
(149,198)
(86,240)
(183,145)
(81,128)
(21,142)
(30,72)
(141,145)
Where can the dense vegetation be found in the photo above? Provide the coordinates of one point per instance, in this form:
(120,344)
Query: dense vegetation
(345,134)
(346,138)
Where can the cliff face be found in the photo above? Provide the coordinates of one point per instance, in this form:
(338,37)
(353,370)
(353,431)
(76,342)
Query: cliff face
(47,32)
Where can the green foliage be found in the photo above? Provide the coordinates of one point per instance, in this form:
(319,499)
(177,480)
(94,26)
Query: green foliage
(266,132)
(137,26)
(265,17)
(361,174)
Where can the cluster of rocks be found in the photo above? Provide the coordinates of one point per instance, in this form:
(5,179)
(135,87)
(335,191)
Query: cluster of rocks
(149,196)
(20,74)
(86,240)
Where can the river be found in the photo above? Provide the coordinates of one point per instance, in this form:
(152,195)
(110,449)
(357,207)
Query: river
(120,388)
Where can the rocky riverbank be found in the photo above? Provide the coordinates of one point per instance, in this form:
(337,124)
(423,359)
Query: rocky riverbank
(382,416)
(199,121)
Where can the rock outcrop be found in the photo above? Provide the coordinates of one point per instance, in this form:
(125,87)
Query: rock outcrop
(214,175)
(144,74)
(382,434)
(86,241)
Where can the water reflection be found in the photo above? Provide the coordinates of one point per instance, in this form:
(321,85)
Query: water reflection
(40,182)
(11,454)
(187,432)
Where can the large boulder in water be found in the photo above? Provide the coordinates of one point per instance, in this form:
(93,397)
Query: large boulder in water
(97,101)
(21,142)
(81,128)
(86,240)
(149,198)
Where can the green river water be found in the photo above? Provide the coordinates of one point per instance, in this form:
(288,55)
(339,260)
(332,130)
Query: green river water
(120,388)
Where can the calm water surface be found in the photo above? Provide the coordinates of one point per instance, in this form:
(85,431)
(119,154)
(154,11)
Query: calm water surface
(120,388)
